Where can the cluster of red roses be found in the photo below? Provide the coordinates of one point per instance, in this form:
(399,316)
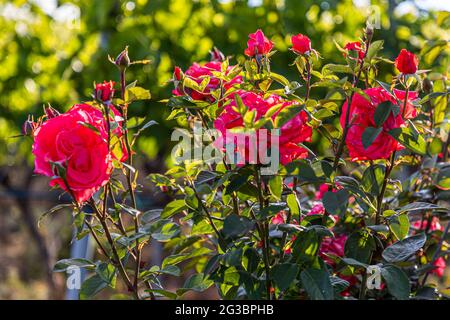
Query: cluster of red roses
(297,129)
(73,148)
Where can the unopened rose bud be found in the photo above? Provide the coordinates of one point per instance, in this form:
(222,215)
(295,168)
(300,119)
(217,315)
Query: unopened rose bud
(104,91)
(406,62)
(29,126)
(217,55)
(122,60)
(50,112)
(177,74)
(164,189)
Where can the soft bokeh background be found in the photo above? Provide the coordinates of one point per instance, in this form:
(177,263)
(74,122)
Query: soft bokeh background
(52,52)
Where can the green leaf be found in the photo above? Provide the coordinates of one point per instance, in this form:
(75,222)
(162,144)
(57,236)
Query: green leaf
(372,179)
(92,286)
(443,178)
(197,282)
(235,226)
(284,274)
(64,264)
(403,249)
(419,206)
(173,208)
(336,202)
(397,282)
(293,204)
(359,246)
(164,293)
(108,273)
(339,68)
(317,284)
(382,112)
(373,49)
(399,226)
(276,186)
(369,135)
(407,138)
(137,93)
(166,231)
(183,102)
(53,210)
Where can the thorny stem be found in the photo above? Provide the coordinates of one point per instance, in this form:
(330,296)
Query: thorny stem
(265,235)
(130,181)
(388,170)
(308,79)
(117,260)
(349,103)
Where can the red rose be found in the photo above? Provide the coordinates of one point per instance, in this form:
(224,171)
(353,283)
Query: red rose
(80,150)
(97,120)
(258,44)
(332,246)
(197,73)
(177,74)
(361,117)
(406,62)
(104,91)
(293,132)
(440,266)
(355,46)
(300,44)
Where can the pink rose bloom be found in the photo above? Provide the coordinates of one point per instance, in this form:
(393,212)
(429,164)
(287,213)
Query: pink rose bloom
(355,46)
(333,246)
(258,44)
(80,150)
(197,73)
(301,44)
(317,209)
(434,225)
(361,117)
(293,132)
(97,120)
(440,267)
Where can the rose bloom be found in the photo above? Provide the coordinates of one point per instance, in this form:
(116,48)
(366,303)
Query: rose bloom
(301,44)
(104,91)
(82,152)
(332,246)
(355,46)
(197,73)
(406,62)
(97,120)
(293,132)
(361,117)
(440,266)
(434,225)
(258,44)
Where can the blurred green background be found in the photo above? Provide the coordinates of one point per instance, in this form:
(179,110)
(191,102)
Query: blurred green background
(52,52)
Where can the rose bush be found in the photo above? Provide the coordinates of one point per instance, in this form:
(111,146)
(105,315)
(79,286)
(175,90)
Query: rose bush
(375,197)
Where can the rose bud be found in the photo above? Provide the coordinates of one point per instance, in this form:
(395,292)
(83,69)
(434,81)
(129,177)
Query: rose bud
(177,74)
(50,112)
(301,44)
(217,55)
(406,62)
(355,46)
(258,44)
(122,60)
(164,189)
(104,91)
(29,126)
